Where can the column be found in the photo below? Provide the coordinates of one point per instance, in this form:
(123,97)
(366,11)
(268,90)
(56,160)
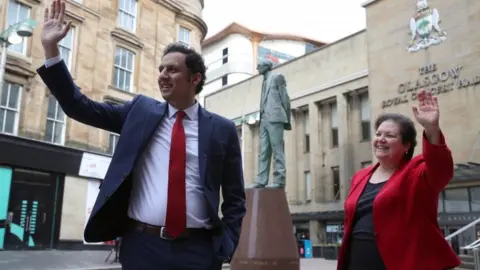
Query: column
(343,145)
(291,161)
(315,151)
(249,152)
(317,232)
(248,156)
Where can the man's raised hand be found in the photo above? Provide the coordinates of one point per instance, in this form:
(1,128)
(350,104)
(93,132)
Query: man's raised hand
(54,28)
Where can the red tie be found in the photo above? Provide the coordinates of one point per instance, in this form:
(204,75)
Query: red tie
(176,219)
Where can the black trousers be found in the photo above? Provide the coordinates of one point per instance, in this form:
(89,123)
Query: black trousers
(364,255)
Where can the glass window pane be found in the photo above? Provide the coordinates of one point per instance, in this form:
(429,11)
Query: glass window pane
(12,13)
(49,131)
(131,23)
(128,77)
(456,200)
(58,132)
(23,12)
(364,107)
(10,121)
(51,107)
(60,114)
(123,58)
(2,116)
(117,56)
(5,91)
(116,76)
(14,96)
(334,115)
(475,199)
(121,79)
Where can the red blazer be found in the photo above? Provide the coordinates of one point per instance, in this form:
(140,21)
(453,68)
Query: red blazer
(405,212)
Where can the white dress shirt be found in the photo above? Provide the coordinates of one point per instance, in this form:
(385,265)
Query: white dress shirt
(148,198)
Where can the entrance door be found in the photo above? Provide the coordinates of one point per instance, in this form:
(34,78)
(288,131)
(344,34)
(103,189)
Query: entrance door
(454,241)
(31,212)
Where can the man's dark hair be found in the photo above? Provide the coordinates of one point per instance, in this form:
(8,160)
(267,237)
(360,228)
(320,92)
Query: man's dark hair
(408,132)
(193,60)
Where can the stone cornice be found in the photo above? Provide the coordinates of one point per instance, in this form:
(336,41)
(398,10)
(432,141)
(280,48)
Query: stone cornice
(368,2)
(20,68)
(194,19)
(127,37)
(188,16)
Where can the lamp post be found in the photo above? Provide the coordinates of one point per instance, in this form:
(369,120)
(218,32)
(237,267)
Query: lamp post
(12,36)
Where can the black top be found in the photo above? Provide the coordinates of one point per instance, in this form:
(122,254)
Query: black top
(363,220)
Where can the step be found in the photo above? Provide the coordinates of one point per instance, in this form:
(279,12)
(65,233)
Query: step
(466,262)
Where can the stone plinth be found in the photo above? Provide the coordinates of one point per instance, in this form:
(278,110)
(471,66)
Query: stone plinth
(267,240)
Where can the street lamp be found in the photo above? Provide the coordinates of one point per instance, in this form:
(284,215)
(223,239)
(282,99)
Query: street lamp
(12,36)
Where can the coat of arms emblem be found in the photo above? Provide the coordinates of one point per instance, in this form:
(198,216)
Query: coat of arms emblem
(424,27)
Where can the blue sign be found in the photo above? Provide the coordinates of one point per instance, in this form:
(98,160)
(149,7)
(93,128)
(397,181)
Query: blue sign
(308,248)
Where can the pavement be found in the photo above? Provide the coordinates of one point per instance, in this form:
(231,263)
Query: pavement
(56,260)
(95,260)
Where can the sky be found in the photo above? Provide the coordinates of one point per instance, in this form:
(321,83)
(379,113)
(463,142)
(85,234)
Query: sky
(322,20)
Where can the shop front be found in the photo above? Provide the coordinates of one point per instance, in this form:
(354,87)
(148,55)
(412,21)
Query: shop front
(31,191)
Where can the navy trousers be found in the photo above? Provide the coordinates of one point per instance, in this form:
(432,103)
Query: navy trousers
(142,251)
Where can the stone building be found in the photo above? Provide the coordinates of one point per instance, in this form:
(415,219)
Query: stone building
(337,92)
(113,51)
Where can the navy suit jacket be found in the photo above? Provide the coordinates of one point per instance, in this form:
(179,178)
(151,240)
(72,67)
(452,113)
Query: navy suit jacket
(219,154)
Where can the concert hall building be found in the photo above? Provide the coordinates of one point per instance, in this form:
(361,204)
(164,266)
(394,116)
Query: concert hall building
(338,90)
(51,166)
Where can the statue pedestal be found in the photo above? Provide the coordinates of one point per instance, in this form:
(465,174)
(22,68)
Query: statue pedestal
(267,240)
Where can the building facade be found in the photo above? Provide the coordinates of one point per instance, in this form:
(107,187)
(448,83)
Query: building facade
(113,51)
(231,55)
(338,91)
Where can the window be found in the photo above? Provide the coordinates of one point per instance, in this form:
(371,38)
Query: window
(306,130)
(123,69)
(17,12)
(365,164)
(56,120)
(310,48)
(475,199)
(9,108)
(456,200)
(441,207)
(334,124)
(127,14)
(225,56)
(336,183)
(224,80)
(184,35)
(112,142)
(66,48)
(308,186)
(365,116)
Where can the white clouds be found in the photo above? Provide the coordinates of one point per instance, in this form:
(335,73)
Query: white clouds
(324,20)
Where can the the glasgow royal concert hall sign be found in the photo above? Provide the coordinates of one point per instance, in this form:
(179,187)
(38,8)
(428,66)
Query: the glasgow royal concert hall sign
(433,80)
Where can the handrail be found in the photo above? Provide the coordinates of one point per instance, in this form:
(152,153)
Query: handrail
(473,245)
(461,230)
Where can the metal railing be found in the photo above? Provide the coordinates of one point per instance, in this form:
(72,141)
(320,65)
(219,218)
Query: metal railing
(474,247)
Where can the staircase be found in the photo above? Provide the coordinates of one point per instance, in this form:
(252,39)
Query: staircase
(467,263)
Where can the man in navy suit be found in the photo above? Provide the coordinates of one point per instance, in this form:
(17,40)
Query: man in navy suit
(161,191)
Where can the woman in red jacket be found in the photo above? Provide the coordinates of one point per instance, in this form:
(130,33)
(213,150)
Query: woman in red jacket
(391,208)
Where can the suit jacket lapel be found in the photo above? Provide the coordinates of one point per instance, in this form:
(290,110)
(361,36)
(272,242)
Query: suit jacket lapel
(155,115)
(205,127)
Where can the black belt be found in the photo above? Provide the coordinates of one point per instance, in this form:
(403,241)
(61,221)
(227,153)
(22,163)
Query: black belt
(161,231)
